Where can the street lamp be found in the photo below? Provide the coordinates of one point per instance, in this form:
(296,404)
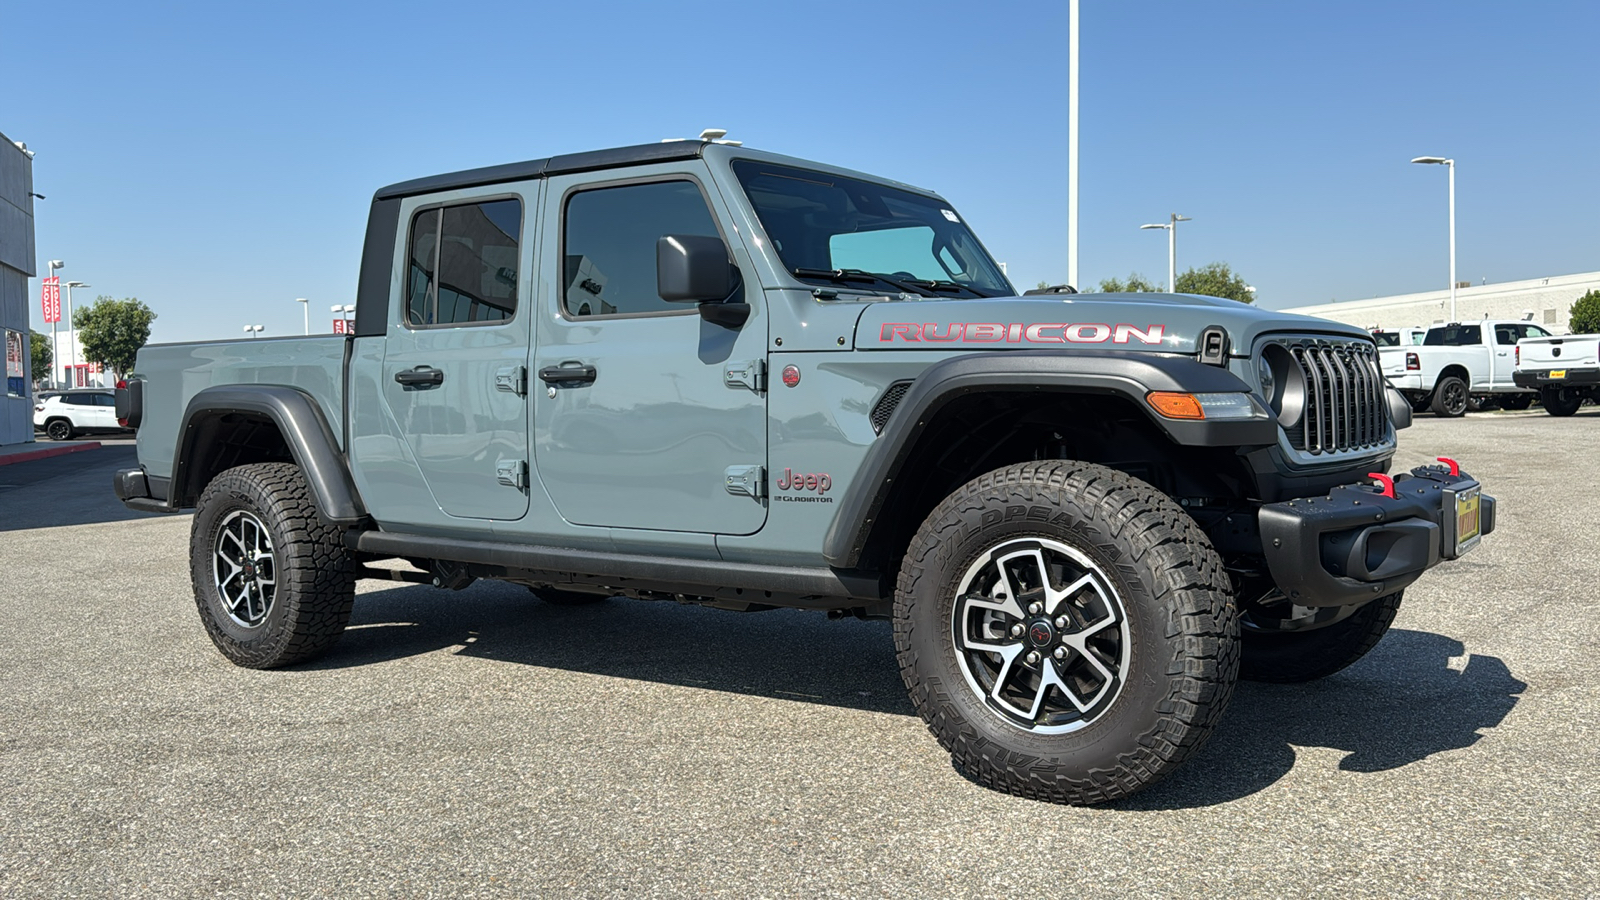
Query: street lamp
(1441,161)
(55,340)
(344,311)
(305,308)
(72,330)
(1171,228)
(252,330)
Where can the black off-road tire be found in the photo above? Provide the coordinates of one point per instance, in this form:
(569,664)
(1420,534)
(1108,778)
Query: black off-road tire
(1287,657)
(1516,402)
(315,578)
(556,597)
(1450,397)
(59,430)
(1182,627)
(1559,402)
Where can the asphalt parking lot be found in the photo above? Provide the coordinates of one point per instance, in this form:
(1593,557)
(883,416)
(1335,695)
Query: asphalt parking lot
(484,744)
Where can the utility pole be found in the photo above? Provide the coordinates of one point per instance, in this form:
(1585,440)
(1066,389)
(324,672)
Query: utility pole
(1072,144)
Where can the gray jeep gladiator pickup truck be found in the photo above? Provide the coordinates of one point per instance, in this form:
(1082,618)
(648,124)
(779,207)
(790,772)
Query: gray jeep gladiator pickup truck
(693,371)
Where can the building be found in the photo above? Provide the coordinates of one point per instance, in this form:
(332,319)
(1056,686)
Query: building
(1546,301)
(16,267)
(71,370)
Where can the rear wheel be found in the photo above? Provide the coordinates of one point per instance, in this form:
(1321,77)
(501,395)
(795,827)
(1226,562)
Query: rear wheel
(59,430)
(1450,397)
(1560,401)
(274,583)
(1284,643)
(1066,631)
(1516,401)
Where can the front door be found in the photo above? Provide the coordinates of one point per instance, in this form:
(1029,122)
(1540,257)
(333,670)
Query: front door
(454,361)
(646,426)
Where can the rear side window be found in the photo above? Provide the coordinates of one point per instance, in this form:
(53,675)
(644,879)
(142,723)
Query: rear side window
(1454,336)
(609,245)
(462,264)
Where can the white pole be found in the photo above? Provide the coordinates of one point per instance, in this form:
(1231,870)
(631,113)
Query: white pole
(305,307)
(72,339)
(1172,255)
(1072,144)
(1452,166)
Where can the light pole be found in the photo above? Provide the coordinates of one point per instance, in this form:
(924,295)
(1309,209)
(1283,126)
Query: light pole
(252,330)
(305,307)
(55,339)
(72,331)
(1441,161)
(344,312)
(1171,228)
(1072,144)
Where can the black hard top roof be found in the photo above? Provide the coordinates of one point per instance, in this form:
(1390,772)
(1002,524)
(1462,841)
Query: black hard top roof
(541,168)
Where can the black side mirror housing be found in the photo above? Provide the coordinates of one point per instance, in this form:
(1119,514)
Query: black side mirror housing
(693,268)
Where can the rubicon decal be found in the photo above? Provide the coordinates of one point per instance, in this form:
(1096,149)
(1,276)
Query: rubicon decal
(1019,333)
(812,487)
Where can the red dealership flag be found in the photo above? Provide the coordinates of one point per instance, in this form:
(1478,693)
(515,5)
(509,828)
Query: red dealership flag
(50,297)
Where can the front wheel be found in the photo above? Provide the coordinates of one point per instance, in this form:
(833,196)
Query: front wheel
(273,582)
(1561,402)
(1293,644)
(1450,397)
(1066,631)
(59,430)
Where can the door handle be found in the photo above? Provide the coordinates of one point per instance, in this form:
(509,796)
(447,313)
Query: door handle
(421,375)
(567,374)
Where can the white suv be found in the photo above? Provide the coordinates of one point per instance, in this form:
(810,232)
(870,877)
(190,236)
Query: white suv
(71,413)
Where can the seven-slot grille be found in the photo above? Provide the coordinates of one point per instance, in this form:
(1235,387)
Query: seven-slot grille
(1345,405)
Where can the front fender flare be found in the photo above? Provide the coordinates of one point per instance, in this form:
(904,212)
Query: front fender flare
(304,429)
(1130,375)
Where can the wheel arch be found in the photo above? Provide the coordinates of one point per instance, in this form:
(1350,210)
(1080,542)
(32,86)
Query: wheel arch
(232,425)
(1456,369)
(930,444)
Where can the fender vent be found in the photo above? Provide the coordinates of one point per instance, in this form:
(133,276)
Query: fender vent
(886,405)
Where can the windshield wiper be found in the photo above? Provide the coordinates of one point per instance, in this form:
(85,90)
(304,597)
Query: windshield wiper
(942,285)
(849,275)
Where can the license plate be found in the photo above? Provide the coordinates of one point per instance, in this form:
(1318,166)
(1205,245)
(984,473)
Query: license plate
(1558,373)
(1469,521)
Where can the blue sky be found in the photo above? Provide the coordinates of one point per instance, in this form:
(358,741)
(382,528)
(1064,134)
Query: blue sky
(216,160)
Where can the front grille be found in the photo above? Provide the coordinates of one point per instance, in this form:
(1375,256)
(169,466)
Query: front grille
(1345,406)
(886,404)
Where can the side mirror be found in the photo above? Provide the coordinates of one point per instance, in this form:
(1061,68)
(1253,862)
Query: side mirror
(695,269)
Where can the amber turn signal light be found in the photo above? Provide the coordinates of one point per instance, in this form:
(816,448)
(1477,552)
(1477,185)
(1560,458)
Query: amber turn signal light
(1174,405)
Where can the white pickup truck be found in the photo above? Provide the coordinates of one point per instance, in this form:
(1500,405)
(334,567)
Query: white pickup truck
(1564,370)
(1461,366)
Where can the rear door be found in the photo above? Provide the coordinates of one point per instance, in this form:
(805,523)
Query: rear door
(1506,335)
(659,421)
(455,357)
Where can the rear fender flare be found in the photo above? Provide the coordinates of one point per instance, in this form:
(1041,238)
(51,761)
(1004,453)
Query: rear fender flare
(304,429)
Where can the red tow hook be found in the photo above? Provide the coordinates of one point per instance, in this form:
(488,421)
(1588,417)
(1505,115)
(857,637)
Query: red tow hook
(1455,467)
(1386,481)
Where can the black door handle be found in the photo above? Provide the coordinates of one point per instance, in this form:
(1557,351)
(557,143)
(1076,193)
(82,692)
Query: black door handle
(419,376)
(566,374)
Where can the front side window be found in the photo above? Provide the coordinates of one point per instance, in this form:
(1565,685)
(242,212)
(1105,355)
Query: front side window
(609,244)
(830,229)
(462,267)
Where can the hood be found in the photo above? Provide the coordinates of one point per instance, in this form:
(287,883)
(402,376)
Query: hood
(1167,323)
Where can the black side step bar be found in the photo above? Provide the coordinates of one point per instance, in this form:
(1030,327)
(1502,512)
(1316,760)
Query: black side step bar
(810,587)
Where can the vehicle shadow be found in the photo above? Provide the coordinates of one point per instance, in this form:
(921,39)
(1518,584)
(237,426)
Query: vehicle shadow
(1415,695)
(73,489)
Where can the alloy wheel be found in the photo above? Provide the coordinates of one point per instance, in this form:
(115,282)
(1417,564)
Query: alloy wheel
(244,568)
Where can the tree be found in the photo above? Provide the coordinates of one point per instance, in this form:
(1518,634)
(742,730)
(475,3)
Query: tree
(1215,280)
(1584,317)
(112,331)
(39,346)
(1136,284)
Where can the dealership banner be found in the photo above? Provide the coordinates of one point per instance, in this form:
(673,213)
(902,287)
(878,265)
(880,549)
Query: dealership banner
(50,299)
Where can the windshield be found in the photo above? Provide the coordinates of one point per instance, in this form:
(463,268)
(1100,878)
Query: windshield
(832,229)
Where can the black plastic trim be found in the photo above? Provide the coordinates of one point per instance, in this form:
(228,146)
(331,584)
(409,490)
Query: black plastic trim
(377,269)
(1320,550)
(304,429)
(617,570)
(141,492)
(1540,378)
(1129,375)
(130,403)
(571,163)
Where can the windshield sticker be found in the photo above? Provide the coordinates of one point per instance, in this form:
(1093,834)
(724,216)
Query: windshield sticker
(1019,333)
(950,214)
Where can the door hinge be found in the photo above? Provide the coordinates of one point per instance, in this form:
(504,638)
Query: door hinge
(747,481)
(750,373)
(512,473)
(513,379)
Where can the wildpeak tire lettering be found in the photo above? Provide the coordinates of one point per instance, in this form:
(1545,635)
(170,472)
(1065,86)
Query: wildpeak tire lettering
(1019,333)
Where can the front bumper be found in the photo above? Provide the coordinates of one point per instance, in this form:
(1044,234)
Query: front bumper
(1357,543)
(1540,378)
